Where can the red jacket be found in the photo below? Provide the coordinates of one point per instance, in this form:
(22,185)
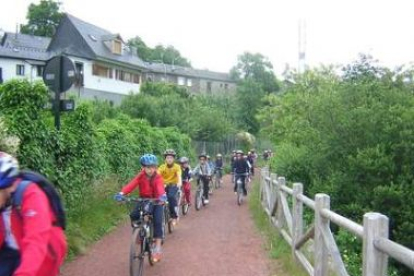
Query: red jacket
(153,188)
(42,246)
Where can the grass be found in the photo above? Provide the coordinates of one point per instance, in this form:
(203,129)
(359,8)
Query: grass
(94,217)
(274,244)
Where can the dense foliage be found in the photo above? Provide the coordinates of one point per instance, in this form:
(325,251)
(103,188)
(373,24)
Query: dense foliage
(202,117)
(90,148)
(160,53)
(350,136)
(43,18)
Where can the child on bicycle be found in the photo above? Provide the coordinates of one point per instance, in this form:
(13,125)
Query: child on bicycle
(241,169)
(171,173)
(218,166)
(150,185)
(186,178)
(203,171)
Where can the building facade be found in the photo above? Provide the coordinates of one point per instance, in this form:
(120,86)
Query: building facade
(107,68)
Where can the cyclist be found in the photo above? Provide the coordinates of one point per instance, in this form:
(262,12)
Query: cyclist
(31,243)
(241,170)
(218,166)
(210,162)
(233,157)
(250,158)
(171,173)
(186,178)
(203,171)
(266,155)
(150,185)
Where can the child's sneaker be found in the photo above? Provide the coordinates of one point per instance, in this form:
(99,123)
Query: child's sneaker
(156,254)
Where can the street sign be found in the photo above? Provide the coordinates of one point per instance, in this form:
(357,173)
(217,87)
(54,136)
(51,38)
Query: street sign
(59,74)
(67,105)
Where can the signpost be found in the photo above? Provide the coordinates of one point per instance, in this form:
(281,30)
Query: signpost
(59,75)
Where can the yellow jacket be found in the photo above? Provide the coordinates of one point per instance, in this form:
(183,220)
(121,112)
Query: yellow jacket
(171,175)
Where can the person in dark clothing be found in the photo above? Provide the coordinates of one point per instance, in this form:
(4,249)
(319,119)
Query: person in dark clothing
(233,158)
(240,170)
(250,158)
(218,167)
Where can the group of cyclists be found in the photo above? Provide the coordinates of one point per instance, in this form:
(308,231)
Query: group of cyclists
(32,242)
(162,182)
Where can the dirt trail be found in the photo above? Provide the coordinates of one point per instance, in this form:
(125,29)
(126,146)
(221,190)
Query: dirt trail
(220,239)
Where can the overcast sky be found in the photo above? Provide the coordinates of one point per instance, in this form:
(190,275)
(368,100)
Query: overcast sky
(211,33)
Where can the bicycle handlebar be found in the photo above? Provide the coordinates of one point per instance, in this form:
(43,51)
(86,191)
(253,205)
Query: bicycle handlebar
(140,199)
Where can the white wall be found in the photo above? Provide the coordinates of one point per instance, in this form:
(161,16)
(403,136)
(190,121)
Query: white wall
(9,69)
(105,84)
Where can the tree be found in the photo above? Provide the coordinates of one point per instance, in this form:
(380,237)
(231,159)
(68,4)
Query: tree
(256,67)
(248,99)
(168,55)
(144,51)
(43,18)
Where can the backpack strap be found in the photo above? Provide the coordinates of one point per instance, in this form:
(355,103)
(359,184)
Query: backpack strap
(18,194)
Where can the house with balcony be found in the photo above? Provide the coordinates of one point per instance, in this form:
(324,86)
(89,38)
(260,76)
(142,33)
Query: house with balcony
(107,68)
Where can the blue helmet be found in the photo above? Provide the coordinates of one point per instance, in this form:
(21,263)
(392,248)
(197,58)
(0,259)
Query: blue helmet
(9,170)
(149,160)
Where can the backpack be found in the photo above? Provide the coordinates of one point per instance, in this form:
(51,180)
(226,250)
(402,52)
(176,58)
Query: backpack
(30,177)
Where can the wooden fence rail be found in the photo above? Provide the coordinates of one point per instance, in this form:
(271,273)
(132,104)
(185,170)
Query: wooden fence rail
(324,254)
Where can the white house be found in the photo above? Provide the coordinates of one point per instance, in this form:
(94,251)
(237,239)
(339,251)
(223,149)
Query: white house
(108,69)
(22,56)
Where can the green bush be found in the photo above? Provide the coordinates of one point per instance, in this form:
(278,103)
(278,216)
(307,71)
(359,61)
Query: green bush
(96,151)
(350,137)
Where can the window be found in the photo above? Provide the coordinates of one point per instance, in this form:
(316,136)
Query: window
(79,72)
(189,82)
(136,78)
(102,71)
(117,47)
(226,86)
(20,70)
(181,81)
(39,70)
(209,87)
(221,85)
(127,77)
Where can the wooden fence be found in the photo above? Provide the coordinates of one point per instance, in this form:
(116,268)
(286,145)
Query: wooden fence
(323,254)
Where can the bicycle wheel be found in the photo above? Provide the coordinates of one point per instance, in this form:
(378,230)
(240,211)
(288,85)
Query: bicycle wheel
(136,254)
(198,200)
(239,198)
(150,242)
(185,209)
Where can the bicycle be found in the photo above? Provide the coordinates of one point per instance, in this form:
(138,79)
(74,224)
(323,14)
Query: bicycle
(218,173)
(183,203)
(167,219)
(199,195)
(239,187)
(142,238)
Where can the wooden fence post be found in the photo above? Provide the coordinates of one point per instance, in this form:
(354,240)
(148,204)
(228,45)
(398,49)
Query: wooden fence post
(297,223)
(375,263)
(279,213)
(322,201)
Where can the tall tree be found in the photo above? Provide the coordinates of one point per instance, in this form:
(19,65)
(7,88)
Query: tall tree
(248,99)
(43,18)
(257,68)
